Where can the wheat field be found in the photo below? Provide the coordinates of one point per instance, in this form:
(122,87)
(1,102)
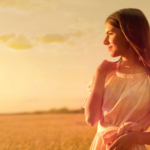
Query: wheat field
(45,132)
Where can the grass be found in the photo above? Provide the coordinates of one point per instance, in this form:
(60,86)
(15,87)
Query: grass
(45,132)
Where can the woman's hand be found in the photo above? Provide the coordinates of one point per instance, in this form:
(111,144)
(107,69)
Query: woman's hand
(124,142)
(106,67)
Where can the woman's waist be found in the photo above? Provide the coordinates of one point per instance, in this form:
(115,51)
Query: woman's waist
(105,126)
(127,126)
(111,132)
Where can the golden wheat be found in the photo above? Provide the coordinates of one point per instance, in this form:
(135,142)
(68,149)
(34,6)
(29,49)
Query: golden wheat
(45,132)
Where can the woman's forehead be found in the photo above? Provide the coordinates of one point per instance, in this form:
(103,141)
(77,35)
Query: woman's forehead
(109,28)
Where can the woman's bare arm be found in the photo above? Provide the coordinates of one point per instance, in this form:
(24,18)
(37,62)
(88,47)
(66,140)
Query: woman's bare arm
(93,106)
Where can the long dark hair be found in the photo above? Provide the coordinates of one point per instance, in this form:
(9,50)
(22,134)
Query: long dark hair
(135,27)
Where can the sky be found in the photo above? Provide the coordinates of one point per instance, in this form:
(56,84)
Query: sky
(49,50)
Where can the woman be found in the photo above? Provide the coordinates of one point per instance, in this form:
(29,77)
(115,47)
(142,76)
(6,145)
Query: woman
(119,93)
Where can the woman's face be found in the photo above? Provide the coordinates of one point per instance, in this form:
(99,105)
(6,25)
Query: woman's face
(115,38)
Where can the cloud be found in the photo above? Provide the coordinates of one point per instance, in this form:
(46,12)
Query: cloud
(26,4)
(6,37)
(82,37)
(17,42)
(51,38)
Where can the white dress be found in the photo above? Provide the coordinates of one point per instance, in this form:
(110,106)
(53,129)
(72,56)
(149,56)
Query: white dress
(126,108)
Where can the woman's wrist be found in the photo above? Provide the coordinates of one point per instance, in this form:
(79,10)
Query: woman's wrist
(101,72)
(142,137)
(136,137)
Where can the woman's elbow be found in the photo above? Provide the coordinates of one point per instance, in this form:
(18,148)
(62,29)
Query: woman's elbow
(90,122)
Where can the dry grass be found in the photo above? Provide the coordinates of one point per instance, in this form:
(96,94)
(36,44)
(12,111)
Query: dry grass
(45,132)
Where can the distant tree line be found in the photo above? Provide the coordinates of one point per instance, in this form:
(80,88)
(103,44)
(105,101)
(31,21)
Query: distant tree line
(51,111)
(60,111)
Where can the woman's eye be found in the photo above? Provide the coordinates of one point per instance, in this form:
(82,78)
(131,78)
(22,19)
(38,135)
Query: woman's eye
(110,33)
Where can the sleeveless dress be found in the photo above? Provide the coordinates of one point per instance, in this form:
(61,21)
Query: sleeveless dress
(125,108)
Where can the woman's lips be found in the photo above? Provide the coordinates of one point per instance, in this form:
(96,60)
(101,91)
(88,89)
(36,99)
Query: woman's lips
(109,48)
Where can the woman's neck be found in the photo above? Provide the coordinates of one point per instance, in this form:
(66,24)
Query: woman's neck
(131,66)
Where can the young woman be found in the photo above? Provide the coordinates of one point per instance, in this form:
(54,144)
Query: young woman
(119,93)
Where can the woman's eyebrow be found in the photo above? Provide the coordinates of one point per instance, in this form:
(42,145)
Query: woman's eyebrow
(108,31)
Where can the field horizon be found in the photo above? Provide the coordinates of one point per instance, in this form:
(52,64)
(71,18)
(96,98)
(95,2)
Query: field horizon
(63,110)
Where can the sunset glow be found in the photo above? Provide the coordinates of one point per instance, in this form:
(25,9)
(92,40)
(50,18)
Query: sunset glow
(49,51)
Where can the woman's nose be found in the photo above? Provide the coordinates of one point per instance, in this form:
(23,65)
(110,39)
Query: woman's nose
(105,42)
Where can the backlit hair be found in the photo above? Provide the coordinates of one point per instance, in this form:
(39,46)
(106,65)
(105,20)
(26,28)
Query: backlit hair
(135,27)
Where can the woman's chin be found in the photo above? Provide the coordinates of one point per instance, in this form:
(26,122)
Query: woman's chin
(113,55)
